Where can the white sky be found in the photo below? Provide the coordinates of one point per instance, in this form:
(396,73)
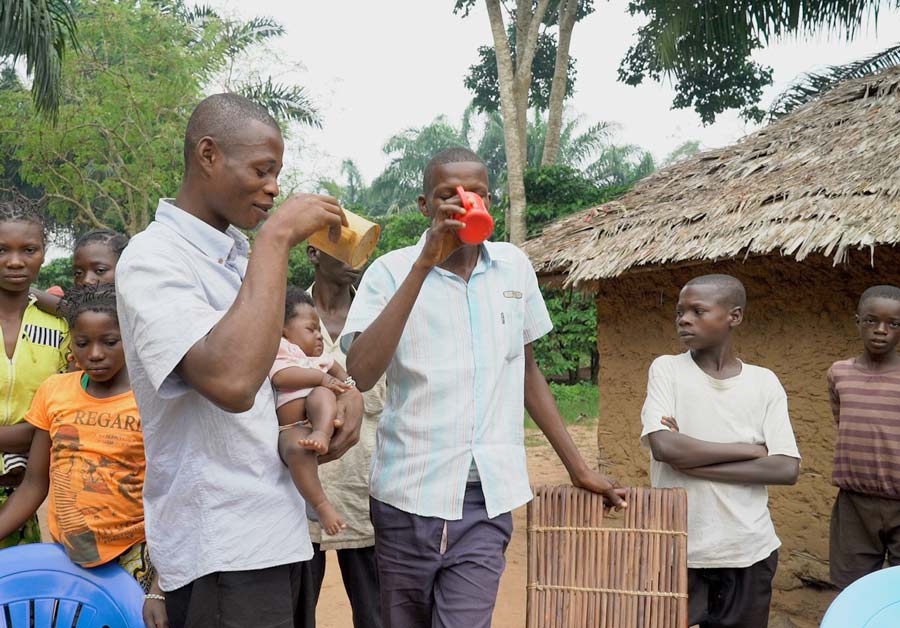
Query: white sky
(376,68)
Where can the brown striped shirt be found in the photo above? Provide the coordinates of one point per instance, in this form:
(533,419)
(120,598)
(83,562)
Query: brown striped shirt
(866,407)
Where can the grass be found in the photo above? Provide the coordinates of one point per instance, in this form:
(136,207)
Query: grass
(577,403)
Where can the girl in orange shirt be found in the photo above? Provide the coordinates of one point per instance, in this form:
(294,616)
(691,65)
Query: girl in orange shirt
(88,452)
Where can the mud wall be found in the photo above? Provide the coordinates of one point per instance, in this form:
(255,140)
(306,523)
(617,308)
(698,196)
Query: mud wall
(798,321)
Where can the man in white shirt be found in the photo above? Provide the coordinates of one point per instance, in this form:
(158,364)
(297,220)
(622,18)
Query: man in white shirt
(719,428)
(201,325)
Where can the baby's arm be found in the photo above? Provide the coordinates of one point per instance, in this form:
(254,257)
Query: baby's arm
(26,499)
(337,371)
(297,377)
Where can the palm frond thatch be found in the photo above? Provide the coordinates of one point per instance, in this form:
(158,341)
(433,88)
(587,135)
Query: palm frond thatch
(824,179)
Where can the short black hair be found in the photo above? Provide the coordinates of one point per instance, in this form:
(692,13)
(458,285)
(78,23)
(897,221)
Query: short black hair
(24,209)
(296,296)
(113,239)
(89,298)
(452,155)
(220,117)
(883,291)
(731,290)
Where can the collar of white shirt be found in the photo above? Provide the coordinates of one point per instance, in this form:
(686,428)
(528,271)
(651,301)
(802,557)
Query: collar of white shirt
(219,245)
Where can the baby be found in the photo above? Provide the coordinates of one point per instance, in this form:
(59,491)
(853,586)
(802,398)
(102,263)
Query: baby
(306,386)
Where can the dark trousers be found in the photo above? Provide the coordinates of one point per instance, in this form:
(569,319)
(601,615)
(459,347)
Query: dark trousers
(262,598)
(437,573)
(732,597)
(360,582)
(865,534)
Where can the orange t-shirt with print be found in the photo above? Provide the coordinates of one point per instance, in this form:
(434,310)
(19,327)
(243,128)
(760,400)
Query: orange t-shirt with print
(96,468)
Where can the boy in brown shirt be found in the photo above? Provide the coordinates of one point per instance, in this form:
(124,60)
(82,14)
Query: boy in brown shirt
(865,400)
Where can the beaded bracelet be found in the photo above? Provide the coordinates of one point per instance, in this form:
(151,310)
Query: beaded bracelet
(155,596)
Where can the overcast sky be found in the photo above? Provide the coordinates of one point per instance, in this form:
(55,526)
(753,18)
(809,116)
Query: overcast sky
(375,68)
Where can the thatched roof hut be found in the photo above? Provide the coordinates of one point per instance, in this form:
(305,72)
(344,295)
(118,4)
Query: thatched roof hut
(823,179)
(806,212)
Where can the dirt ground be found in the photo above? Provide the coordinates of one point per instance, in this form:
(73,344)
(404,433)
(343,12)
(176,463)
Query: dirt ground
(800,607)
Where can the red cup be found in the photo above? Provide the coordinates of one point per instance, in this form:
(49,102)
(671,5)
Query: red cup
(479,224)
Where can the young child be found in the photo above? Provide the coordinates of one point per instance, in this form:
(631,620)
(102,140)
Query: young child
(719,428)
(94,260)
(306,385)
(88,452)
(865,400)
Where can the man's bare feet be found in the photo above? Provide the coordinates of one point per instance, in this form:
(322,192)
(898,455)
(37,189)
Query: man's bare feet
(316,441)
(330,519)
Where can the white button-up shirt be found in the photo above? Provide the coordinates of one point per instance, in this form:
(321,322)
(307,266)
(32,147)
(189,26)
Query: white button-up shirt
(457,381)
(216,495)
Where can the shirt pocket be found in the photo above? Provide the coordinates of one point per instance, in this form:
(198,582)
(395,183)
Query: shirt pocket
(512,319)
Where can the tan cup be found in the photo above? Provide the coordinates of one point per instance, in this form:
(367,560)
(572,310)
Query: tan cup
(358,240)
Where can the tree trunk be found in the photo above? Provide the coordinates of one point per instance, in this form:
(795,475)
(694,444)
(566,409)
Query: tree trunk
(568,9)
(515,81)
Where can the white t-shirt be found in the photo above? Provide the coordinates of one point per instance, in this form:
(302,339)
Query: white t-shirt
(728,524)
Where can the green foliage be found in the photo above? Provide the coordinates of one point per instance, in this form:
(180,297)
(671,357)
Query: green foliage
(705,46)
(577,402)
(483,82)
(682,151)
(284,102)
(400,230)
(56,273)
(573,339)
(482,79)
(128,91)
(813,84)
(398,186)
(300,271)
(39,30)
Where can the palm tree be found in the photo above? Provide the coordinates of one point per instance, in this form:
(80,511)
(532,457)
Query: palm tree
(40,31)
(288,103)
(811,85)
(705,47)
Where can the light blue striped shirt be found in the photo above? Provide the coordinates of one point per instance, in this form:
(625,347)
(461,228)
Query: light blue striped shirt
(456,384)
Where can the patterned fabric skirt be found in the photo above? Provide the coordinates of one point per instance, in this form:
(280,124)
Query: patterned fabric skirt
(30,532)
(136,561)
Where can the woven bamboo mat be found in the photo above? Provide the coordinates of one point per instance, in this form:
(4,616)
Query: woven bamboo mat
(589,571)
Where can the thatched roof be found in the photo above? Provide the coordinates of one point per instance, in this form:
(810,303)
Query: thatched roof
(823,179)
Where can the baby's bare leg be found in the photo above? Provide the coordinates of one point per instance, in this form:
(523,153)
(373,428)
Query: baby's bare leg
(321,410)
(291,412)
(304,467)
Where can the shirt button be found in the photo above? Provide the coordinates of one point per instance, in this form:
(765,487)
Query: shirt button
(221,261)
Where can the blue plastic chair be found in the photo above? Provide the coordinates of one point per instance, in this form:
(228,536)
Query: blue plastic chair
(870,602)
(41,588)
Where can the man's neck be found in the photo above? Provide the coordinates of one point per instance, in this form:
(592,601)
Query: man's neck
(463,260)
(331,297)
(189,200)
